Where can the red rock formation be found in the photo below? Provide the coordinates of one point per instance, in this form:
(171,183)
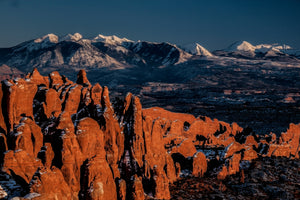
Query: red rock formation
(161,184)
(82,79)
(20,163)
(137,189)
(186,148)
(46,155)
(138,149)
(97,181)
(2,122)
(66,141)
(52,105)
(19,99)
(250,154)
(199,164)
(157,112)
(250,141)
(55,80)
(37,78)
(232,168)
(72,100)
(28,137)
(96,93)
(50,184)
(121,189)
(289,143)
(233,148)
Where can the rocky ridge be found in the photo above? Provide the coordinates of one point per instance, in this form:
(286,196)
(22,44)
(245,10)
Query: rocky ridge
(66,140)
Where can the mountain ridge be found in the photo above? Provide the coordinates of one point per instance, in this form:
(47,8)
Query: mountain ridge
(75,51)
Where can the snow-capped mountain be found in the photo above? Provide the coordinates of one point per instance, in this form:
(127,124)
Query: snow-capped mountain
(245,49)
(73,51)
(241,46)
(115,40)
(197,49)
(101,51)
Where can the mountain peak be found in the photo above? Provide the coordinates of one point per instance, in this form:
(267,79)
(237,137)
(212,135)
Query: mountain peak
(70,37)
(241,46)
(52,38)
(197,49)
(112,39)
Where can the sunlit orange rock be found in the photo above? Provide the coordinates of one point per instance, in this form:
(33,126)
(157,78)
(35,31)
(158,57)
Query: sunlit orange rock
(137,189)
(19,99)
(2,121)
(82,79)
(50,184)
(56,80)
(233,148)
(52,105)
(199,164)
(37,78)
(250,141)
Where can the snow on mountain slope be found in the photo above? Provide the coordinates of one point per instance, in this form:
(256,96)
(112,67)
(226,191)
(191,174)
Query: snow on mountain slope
(69,37)
(52,51)
(47,38)
(241,46)
(111,39)
(197,49)
(73,51)
(268,49)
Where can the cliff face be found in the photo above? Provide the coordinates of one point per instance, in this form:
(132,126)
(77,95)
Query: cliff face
(65,140)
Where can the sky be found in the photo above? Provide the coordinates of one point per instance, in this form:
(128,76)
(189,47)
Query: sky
(215,24)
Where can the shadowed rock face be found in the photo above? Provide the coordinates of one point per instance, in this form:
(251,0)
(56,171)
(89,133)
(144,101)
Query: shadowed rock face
(65,140)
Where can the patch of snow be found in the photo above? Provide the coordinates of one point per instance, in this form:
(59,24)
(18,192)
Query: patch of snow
(32,195)
(7,83)
(185,173)
(18,133)
(2,193)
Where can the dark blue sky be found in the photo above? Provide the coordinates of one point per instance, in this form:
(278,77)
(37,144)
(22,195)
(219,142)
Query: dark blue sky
(213,23)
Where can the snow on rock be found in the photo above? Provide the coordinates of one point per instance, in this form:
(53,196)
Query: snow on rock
(197,49)
(31,196)
(69,37)
(263,48)
(40,43)
(112,39)
(241,46)
(47,38)
(2,193)
(268,49)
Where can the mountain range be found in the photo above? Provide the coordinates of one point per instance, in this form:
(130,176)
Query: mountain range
(74,51)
